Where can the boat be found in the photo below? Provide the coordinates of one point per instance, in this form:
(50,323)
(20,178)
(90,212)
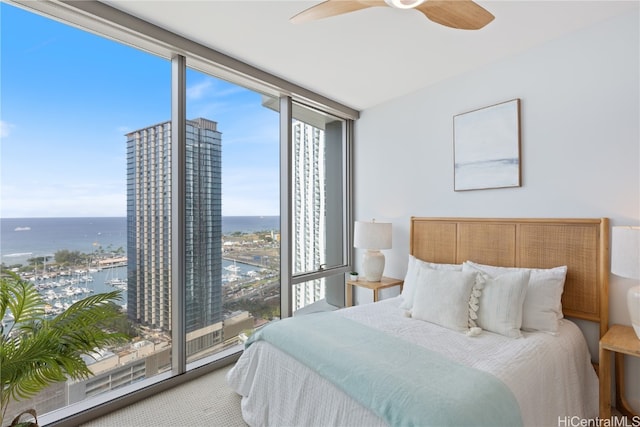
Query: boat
(22,229)
(113,278)
(231,277)
(233,268)
(121,286)
(116,282)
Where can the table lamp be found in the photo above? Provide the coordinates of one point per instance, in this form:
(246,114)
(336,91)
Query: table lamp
(625,262)
(372,236)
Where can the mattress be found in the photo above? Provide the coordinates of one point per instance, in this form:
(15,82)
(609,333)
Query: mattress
(550,376)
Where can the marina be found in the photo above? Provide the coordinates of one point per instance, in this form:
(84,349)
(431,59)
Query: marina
(61,289)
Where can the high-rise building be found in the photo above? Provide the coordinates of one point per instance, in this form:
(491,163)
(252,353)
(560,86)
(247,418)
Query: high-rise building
(309,210)
(149,153)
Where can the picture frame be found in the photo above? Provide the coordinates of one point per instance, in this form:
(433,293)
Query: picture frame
(487,147)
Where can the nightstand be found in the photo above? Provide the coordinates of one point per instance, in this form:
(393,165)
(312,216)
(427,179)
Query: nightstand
(385,282)
(621,340)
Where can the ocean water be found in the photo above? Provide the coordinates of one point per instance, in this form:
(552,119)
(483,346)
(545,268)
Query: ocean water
(24,238)
(250,224)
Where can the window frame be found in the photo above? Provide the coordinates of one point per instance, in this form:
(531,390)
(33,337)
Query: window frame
(336,271)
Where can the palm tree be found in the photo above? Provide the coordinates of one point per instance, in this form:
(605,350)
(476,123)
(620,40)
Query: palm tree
(37,351)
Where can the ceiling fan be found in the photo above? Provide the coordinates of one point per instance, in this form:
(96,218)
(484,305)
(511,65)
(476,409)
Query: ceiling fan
(460,14)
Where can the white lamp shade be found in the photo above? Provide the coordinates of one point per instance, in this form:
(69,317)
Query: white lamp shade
(372,235)
(625,252)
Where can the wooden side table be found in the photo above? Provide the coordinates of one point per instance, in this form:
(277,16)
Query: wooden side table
(385,282)
(621,340)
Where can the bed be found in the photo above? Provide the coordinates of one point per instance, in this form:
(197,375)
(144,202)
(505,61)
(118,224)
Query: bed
(407,361)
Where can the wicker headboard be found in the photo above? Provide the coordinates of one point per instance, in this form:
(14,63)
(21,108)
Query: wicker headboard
(580,244)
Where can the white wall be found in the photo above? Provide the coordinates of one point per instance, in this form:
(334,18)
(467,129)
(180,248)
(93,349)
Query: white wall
(580,146)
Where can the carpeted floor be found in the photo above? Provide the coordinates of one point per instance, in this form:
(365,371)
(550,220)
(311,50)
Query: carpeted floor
(205,401)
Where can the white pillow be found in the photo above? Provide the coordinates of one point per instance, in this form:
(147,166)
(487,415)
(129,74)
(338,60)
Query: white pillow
(542,307)
(411,278)
(442,297)
(501,302)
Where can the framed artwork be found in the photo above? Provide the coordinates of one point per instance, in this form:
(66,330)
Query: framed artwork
(486,147)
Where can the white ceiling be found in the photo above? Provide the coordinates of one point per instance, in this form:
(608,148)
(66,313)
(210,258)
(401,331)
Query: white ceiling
(367,57)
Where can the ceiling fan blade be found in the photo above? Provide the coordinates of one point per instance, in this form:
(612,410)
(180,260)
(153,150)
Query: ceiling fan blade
(327,9)
(461,14)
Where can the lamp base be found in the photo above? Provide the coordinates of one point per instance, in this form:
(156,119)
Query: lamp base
(373,265)
(633,304)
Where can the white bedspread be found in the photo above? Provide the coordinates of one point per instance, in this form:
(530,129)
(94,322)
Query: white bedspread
(550,376)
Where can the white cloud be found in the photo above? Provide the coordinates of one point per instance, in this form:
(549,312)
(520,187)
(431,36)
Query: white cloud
(199,90)
(5,129)
(208,88)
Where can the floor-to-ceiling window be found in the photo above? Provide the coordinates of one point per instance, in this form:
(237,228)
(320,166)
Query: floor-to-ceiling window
(88,196)
(232,214)
(76,173)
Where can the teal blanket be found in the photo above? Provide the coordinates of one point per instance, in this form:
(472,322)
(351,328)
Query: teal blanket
(404,384)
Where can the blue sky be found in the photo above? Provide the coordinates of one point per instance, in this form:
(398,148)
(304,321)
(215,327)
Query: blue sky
(68,97)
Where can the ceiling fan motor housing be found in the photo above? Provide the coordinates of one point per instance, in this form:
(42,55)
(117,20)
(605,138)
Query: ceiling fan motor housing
(404,4)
